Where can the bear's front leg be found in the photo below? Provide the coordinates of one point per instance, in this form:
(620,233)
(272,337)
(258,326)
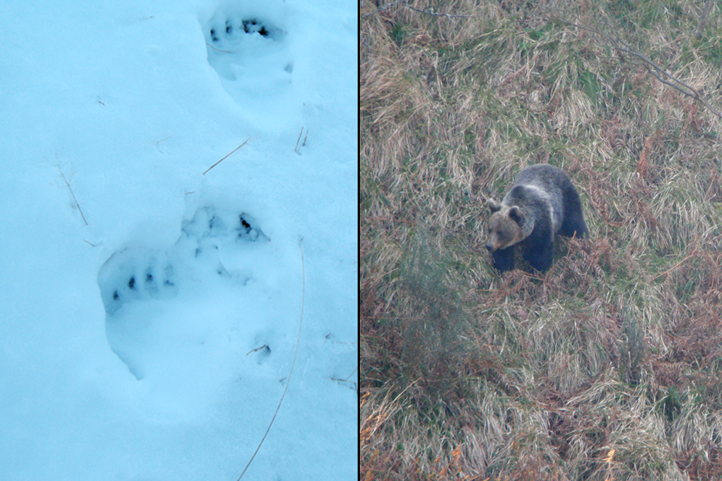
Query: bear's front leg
(504,259)
(540,257)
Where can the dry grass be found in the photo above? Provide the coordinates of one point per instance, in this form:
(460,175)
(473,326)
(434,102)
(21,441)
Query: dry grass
(607,366)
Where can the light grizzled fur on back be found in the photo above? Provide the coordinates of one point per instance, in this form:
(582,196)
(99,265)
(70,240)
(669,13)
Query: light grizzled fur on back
(539,182)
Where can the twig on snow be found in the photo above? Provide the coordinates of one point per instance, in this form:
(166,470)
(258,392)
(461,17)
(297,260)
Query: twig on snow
(77,204)
(293,364)
(295,149)
(228,155)
(218,49)
(298,140)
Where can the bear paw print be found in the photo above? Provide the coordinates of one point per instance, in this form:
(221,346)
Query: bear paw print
(249,49)
(130,275)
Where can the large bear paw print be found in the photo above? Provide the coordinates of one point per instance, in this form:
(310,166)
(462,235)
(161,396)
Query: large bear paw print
(140,286)
(248,48)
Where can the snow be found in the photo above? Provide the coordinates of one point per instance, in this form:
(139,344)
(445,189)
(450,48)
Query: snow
(155,341)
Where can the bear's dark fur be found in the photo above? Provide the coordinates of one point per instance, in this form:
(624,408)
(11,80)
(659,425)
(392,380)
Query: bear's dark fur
(541,203)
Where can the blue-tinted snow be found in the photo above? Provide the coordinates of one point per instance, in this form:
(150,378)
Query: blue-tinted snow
(129,346)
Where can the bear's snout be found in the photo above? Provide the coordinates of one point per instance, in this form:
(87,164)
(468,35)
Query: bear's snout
(489,247)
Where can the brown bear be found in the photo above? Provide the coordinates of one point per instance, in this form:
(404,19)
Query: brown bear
(541,203)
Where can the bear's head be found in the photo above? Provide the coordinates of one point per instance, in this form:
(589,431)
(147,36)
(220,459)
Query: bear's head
(507,226)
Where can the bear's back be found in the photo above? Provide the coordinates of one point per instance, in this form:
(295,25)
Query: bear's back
(540,188)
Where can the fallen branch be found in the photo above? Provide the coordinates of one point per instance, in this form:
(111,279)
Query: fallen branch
(383,7)
(703,18)
(657,72)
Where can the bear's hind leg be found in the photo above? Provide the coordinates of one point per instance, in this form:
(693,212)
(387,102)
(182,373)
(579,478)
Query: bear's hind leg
(574,225)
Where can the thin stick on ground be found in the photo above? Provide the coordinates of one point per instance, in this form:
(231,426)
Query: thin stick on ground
(348,379)
(257,349)
(72,193)
(690,256)
(293,364)
(295,149)
(218,49)
(349,376)
(228,155)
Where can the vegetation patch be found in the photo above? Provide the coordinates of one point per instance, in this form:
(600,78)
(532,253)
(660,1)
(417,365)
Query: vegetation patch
(606,367)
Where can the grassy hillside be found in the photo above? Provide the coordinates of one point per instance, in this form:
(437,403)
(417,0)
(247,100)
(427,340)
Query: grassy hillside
(607,366)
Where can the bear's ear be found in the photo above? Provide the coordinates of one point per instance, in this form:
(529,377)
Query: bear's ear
(516,215)
(493,206)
